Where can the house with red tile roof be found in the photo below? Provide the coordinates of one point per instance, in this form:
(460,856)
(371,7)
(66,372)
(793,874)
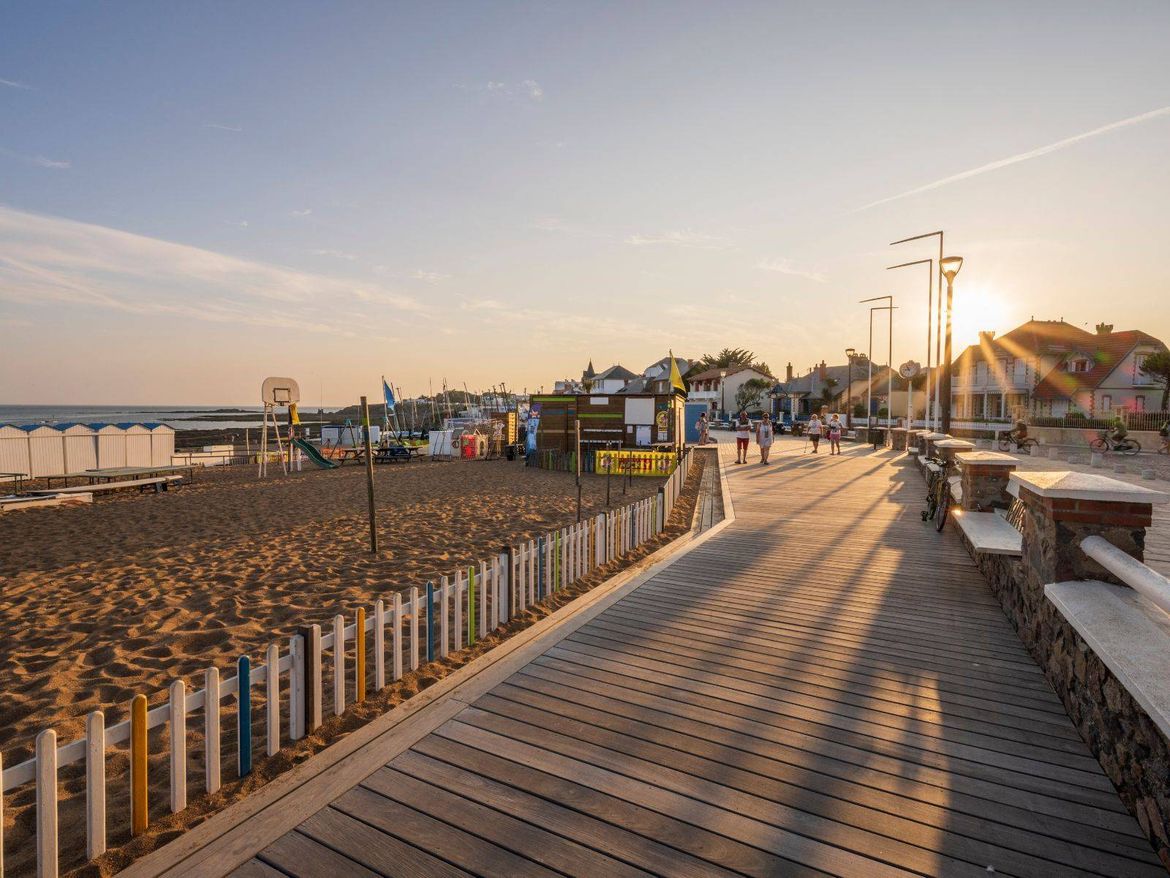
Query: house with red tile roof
(1051,368)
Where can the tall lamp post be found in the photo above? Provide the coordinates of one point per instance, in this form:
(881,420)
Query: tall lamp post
(950,267)
(929,320)
(850,353)
(723,393)
(889,375)
(938,319)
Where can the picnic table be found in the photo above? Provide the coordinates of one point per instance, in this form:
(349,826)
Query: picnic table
(158,483)
(395,453)
(17,480)
(118,473)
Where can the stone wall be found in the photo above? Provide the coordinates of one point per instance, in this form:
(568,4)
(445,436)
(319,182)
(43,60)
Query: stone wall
(1132,750)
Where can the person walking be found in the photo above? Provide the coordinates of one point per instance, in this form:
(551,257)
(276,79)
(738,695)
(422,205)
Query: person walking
(764,436)
(704,428)
(743,435)
(835,435)
(814,431)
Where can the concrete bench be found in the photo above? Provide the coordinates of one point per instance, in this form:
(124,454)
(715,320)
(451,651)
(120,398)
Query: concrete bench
(159,483)
(990,533)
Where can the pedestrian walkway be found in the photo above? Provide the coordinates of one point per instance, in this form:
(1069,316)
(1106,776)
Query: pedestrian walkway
(825,686)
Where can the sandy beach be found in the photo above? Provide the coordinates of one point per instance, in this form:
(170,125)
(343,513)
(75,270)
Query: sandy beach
(105,601)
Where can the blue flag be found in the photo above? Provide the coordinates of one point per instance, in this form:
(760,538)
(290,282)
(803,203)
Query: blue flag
(389,394)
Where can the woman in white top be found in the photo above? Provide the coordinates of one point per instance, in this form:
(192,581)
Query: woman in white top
(764,438)
(814,431)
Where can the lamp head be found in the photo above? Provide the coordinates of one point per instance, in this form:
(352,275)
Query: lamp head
(722,373)
(950,266)
(850,353)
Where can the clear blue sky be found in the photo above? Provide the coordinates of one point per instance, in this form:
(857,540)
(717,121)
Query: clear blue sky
(194,196)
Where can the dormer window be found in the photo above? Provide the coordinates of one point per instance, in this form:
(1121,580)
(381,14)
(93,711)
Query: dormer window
(1077,364)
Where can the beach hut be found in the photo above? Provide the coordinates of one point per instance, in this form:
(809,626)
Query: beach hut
(111,445)
(46,451)
(80,447)
(13,450)
(137,444)
(162,444)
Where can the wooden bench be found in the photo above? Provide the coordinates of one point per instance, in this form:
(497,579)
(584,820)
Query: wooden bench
(989,533)
(159,483)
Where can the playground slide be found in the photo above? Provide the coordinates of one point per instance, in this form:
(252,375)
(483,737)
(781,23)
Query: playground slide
(315,454)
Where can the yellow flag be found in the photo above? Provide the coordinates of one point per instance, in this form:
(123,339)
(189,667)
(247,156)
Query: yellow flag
(675,376)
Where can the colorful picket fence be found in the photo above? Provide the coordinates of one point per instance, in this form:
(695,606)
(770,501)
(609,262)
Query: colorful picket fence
(407,629)
(616,461)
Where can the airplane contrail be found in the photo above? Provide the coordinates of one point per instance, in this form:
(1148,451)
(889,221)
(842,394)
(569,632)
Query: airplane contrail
(1022,157)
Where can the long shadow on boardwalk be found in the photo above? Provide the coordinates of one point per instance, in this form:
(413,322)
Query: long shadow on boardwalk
(826,687)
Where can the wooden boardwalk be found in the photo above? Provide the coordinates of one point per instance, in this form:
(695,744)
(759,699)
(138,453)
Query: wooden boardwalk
(826,686)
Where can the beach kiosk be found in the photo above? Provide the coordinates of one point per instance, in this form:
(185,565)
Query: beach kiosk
(14,450)
(162,444)
(46,450)
(111,446)
(80,447)
(137,444)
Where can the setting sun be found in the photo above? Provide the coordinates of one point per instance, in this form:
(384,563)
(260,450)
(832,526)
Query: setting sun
(977,308)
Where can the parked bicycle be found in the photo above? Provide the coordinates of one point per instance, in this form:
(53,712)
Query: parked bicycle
(938,495)
(1104,442)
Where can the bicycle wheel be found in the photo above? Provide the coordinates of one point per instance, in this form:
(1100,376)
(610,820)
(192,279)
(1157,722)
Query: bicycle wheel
(942,506)
(1028,445)
(931,503)
(1128,446)
(1099,445)
(1005,444)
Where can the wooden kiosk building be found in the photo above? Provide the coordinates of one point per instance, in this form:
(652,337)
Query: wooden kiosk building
(625,424)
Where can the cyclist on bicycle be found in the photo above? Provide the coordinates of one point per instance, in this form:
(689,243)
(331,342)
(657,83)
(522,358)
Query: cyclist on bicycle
(1119,430)
(1019,432)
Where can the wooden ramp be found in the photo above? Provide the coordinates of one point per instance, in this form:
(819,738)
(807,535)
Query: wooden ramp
(824,687)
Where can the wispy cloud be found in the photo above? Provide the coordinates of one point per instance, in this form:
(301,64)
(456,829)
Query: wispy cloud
(45,261)
(786,266)
(39,160)
(482,305)
(683,238)
(300,213)
(13,83)
(429,277)
(335,254)
(234,129)
(1022,157)
(239,224)
(525,90)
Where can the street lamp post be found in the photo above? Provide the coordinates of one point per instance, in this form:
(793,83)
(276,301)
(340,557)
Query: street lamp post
(950,267)
(889,375)
(929,320)
(723,392)
(850,353)
(939,313)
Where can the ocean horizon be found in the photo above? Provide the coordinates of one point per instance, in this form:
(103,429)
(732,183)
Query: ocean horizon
(180,417)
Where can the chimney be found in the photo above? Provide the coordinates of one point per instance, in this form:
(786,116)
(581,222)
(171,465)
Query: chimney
(788,373)
(986,336)
(824,370)
(1104,328)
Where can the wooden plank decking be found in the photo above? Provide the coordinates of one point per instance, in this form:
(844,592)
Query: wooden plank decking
(824,687)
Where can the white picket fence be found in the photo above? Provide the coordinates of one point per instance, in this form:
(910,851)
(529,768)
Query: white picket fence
(424,625)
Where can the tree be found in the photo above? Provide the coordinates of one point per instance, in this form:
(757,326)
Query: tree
(1157,366)
(829,391)
(727,358)
(750,393)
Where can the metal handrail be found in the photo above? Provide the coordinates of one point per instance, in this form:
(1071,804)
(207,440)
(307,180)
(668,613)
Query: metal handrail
(1149,583)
